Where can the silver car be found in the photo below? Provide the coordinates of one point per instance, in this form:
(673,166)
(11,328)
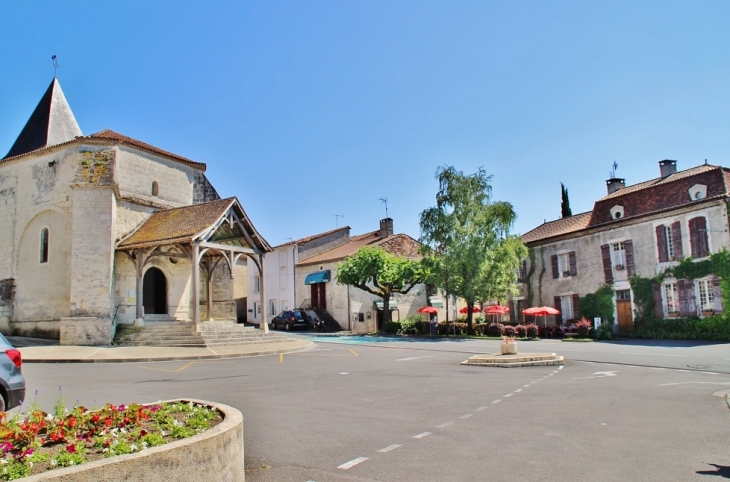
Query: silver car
(12,383)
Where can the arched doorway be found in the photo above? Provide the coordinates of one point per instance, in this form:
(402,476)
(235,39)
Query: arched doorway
(154,291)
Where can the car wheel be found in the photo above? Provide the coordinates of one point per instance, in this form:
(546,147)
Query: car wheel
(2,403)
(287,327)
(272,326)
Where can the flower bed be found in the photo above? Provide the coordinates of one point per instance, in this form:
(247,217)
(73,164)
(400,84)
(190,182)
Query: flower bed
(35,442)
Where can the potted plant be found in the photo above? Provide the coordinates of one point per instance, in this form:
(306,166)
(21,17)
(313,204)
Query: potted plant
(566,274)
(619,267)
(508,346)
(673,314)
(709,312)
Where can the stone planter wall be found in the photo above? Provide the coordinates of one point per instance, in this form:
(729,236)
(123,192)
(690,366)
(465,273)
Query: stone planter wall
(216,454)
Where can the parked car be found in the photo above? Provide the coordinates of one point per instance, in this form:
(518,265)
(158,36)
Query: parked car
(290,319)
(12,383)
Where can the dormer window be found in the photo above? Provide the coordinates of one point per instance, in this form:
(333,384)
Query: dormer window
(155,188)
(617,212)
(697,192)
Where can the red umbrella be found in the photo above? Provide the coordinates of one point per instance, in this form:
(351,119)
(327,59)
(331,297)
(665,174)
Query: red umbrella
(541,311)
(428,309)
(473,310)
(496,310)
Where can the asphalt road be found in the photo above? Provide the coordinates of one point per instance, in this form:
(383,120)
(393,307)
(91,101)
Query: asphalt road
(387,409)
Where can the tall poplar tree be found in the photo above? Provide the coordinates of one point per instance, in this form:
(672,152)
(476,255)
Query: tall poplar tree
(565,202)
(467,242)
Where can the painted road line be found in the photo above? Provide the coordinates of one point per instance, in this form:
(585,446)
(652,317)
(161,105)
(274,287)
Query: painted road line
(165,370)
(657,368)
(353,352)
(652,354)
(444,425)
(389,448)
(408,359)
(352,463)
(508,395)
(481,408)
(561,367)
(421,435)
(281,358)
(526,386)
(466,416)
(710,373)
(518,390)
(93,352)
(683,371)
(700,383)
(496,401)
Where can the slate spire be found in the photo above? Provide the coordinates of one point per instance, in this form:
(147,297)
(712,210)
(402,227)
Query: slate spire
(51,123)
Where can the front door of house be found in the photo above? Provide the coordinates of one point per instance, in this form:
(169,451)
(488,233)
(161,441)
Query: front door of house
(623,312)
(319,296)
(154,292)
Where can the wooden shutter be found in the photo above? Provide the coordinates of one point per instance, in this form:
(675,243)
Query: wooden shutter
(630,266)
(698,236)
(717,294)
(559,307)
(576,307)
(607,270)
(661,243)
(687,304)
(677,240)
(554,261)
(573,263)
(656,291)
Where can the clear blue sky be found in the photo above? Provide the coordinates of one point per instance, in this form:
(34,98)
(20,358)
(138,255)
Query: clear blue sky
(308,109)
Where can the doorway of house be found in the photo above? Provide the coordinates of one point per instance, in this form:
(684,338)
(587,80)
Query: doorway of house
(154,292)
(623,312)
(319,296)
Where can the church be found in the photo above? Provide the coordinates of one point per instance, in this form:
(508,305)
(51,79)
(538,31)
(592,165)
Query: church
(101,230)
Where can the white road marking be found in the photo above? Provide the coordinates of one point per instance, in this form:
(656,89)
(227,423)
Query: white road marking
(93,352)
(526,386)
(352,463)
(518,390)
(466,416)
(652,354)
(701,383)
(710,373)
(343,373)
(389,448)
(657,368)
(444,425)
(598,375)
(682,371)
(421,435)
(508,395)
(411,358)
(560,367)
(481,408)
(496,401)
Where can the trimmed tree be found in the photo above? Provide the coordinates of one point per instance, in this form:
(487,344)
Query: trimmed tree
(565,210)
(466,239)
(380,273)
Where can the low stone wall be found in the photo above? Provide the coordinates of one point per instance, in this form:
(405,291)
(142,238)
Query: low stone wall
(215,455)
(86,330)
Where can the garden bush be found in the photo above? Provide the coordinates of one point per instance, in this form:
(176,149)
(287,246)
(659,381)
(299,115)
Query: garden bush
(521,331)
(391,327)
(531,330)
(509,331)
(584,328)
(448,328)
(713,328)
(604,331)
(479,329)
(494,329)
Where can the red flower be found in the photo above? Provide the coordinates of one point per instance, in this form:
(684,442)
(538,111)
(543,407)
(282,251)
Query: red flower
(71,422)
(108,422)
(96,418)
(71,448)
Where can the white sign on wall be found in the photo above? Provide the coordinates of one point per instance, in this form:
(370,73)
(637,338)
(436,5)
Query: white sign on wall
(596,322)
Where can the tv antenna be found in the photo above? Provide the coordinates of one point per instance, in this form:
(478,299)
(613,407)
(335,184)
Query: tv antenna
(337,219)
(384,200)
(612,174)
(54,61)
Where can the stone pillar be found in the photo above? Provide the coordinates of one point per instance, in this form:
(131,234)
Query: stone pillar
(196,283)
(209,288)
(139,269)
(264,304)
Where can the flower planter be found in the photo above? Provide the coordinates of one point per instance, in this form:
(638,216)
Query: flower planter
(673,315)
(708,313)
(215,454)
(509,348)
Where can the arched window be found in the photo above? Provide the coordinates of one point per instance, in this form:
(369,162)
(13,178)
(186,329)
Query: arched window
(155,188)
(44,245)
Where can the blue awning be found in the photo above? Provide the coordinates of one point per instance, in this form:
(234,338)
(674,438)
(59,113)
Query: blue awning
(436,302)
(318,277)
(393,305)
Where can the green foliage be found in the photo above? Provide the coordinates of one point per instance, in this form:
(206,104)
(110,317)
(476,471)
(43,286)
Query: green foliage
(598,304)
(643,296)
(381,273)
(466,239)
(604,331)
(528,280)
(714,328)
(565,210)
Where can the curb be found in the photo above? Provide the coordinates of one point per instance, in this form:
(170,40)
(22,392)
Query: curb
(309,346)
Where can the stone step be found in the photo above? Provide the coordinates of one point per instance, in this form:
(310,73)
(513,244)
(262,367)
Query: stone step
(518,360)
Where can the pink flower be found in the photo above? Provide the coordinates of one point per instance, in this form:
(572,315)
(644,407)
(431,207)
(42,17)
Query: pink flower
(71,448)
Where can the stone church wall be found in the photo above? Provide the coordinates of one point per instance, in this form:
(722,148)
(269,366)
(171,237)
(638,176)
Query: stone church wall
(136,171)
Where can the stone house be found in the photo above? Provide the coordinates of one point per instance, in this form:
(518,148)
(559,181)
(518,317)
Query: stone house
(634,230)
(352,308)
(105,229)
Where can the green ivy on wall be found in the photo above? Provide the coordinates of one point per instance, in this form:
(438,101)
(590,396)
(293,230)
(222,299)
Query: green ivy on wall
(530,273)
(598,304)
(542,273)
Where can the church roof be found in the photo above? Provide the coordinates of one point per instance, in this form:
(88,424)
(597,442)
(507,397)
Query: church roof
(117,138)
(185,224)
(51,123)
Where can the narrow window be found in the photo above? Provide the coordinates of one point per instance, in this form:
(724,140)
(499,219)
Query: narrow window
(257,284)
(564,265)
(44,245)
(671,298)
(272,307)
(566,303)
(707,298)
(670,242)
(155,188)
(619,256)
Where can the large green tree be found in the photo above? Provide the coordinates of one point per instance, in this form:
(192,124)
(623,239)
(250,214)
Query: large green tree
(467,242)
(381,273)
(565,210)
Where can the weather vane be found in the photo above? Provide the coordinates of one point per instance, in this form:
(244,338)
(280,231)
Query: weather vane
(384,200)
(54,60)
(337,219)
(613,171)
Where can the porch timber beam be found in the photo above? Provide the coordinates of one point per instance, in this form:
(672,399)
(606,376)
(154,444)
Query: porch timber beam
(227,247)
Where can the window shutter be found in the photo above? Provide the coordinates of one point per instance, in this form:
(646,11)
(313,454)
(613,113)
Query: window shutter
(656,291)
(687,305)
(630,267)
(717,294)
(576,307)
(554,261)
(677,240)
(607,270)
(559,307)
(573,264)
(661,243)
(698,235)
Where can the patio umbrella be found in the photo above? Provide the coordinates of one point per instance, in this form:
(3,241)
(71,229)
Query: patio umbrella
(496,310)
(541,311)
(465,309)
(428,309)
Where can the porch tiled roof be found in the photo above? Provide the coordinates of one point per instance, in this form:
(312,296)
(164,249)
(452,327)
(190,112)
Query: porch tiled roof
(556,228)
(178,225)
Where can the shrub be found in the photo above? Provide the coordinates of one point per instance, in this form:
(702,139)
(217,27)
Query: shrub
(448,328)
(494,329)
(509,331)
(531,330)
(521,331)
(407,327)
(391,327)
(584,328)
(479,329)
(604,332)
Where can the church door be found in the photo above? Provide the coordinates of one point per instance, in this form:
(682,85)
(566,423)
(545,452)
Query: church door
(154,292)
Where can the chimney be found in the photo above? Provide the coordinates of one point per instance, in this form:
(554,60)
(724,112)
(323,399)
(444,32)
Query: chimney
(667,167)
(386,228)
(614,184)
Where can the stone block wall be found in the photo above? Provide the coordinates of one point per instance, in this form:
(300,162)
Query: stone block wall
(203,190)
(137,170)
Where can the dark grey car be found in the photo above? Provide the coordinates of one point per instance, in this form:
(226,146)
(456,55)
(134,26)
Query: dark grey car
(290,319)
(12,383)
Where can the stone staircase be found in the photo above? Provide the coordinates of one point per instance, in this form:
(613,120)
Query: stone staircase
(183,334)
(517,360)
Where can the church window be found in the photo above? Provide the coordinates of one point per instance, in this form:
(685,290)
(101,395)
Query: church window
(155,188)
(44,245)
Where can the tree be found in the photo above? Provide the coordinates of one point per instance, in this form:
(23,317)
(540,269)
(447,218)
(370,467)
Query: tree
(381,273)
(466,239)
(565,203)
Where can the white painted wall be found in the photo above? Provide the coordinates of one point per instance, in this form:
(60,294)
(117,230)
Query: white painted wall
(279,268)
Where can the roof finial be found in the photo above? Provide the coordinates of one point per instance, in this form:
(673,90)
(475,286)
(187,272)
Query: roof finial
(54,60)
(612,174)
(384,200)
(705,162)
